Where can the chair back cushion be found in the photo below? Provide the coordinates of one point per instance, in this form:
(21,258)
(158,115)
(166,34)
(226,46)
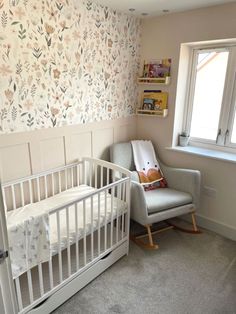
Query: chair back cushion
(122,155)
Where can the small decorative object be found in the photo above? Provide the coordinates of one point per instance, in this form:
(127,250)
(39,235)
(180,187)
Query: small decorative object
(183,139)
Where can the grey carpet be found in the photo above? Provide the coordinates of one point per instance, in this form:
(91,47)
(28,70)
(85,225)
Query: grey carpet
(193,274)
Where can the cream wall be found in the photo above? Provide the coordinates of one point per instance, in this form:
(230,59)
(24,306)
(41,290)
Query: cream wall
(162,37)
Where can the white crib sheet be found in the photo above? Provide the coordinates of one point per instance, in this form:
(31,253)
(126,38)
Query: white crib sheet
(33,248)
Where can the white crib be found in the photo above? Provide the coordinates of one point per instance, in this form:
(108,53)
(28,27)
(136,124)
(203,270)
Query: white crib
(82,213)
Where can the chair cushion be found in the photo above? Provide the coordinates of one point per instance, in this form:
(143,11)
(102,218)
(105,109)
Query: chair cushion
(163,199)
(121,154)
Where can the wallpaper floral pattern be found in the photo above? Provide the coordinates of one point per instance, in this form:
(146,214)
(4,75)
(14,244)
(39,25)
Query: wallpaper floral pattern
(65,62)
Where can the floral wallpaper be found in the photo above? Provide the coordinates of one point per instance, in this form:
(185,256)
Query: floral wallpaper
(65,62)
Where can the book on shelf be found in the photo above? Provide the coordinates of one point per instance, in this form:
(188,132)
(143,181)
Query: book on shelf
(154,100)
(157,68)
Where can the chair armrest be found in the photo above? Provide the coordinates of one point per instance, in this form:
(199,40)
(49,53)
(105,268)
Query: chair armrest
(138,203)
(186,180)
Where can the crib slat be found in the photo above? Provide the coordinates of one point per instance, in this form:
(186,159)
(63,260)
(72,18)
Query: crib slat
(117,212)
(68,241)
(22,195)
(112,207)
(53,185)
(108,172)
(101,177)
(84,228)
(46,186)
(123,217)
(38,190)
(4,200)
(99,225)
(41,279)
(66,178)
(50,273)
(78,174)
(72,177)
(30,286)
(76,237)
(105,219)
(18,293)
(90,173)
(59,245)
(59,178)
(96,175)
(92,248)
(30,190)
(13,196)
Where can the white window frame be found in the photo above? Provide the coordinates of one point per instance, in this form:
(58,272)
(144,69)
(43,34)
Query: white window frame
(228,108)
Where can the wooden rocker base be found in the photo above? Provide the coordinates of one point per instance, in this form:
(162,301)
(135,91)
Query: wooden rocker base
(153,246)
(183,229)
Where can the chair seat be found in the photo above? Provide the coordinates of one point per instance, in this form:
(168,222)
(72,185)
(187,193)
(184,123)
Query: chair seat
(166,198)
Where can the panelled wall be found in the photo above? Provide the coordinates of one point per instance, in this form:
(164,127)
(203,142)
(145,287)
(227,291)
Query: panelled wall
(26,153)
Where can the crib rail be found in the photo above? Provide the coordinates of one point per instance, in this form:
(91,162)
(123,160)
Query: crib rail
(87,228)
(34,188)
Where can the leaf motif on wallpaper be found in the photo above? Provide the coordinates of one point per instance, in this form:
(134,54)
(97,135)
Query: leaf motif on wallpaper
(98,23)
(3,114)
(37,52)
(48,41)
(18,68)
(33,90)
(59,6)
(30,120)
(40,30)
(15,23)
(22,32)
(98,93)
(106,13)
(14,2)
(89,5)
(1,3)
(14,113)
(90,81)
(4,18)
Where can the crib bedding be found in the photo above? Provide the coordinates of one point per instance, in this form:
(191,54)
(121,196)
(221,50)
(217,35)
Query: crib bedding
(33,232)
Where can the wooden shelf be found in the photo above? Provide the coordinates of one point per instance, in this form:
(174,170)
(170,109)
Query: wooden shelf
(159,113)
(154,80)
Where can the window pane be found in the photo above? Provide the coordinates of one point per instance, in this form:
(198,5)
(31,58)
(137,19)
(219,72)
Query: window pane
(233,136)
(208,93)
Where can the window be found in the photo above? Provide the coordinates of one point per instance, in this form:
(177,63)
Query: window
(211,100)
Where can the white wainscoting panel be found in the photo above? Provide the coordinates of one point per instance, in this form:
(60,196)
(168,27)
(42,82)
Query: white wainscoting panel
(52,153)
(15,161)
(77,146)
(27,153)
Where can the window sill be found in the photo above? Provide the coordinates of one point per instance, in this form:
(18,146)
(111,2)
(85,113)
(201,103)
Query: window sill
(208,153)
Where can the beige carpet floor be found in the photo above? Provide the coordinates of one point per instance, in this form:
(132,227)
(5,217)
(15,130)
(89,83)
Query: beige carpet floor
(189,274)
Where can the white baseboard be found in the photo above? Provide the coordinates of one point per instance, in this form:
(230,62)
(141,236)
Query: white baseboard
(213,225)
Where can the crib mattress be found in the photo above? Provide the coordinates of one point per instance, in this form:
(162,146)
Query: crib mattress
(33,229)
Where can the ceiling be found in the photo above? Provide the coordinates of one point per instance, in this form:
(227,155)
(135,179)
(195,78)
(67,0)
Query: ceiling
(155,7)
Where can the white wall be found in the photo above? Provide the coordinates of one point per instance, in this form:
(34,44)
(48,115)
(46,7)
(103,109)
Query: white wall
(162,37)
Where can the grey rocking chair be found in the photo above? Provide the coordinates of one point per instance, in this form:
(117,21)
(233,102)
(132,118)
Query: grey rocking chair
(181,197)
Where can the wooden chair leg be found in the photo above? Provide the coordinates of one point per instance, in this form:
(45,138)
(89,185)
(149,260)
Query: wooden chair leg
(195,228)
(139,239)
(149,235)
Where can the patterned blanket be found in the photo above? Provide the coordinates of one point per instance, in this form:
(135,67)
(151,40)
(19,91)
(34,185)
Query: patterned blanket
(147,166)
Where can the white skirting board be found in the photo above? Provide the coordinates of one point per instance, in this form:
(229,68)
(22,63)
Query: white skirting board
(76,284)
(215,226)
